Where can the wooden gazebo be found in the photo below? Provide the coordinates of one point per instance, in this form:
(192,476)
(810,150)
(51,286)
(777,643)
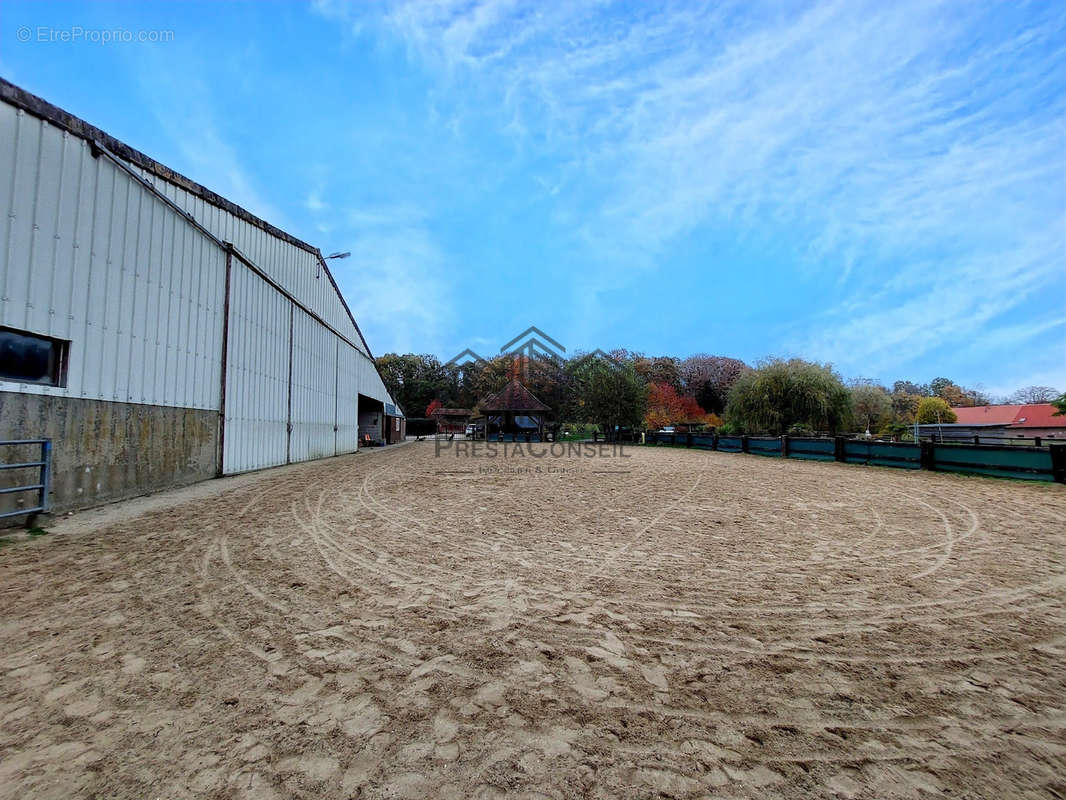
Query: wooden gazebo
(510,403)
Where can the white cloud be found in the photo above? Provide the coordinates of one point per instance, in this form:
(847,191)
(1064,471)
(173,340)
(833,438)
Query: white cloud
(315,204)
(182,104)
(394,282)
(909,155)
(393,216)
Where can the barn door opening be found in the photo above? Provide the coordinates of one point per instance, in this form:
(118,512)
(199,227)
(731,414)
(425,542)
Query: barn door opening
(371,421)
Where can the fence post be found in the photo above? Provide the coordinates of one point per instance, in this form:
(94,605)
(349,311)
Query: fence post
(1058,462)
(1037,440)
(784,446)
(688,440)
(927,455)
(714,442)
(976,439)
(838,448)
(46,474)
(744,444)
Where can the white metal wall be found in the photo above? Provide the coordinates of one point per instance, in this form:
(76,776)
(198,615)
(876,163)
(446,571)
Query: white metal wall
(327,377)
(295,269)
(257,375)
(314,390)
(352,373)
(89,256)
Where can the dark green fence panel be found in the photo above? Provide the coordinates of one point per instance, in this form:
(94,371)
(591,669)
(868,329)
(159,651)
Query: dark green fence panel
(893,454)
(730,444)
(659,437)
(811,449)
(1005,462)
(883,454)
(764,447)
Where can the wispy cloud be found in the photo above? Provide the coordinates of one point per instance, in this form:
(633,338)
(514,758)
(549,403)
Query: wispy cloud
(395,282)
(186,109)
(907,157)
(314,203)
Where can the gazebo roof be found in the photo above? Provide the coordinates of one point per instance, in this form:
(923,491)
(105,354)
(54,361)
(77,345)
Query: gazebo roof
(512,397)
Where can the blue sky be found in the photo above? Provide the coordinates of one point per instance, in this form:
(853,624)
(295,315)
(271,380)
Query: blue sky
(881,185)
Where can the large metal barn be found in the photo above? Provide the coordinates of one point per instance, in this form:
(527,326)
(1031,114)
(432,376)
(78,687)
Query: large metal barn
(157,333)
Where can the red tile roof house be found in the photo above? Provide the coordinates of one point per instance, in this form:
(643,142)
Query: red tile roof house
(1038,419)
(1005,422)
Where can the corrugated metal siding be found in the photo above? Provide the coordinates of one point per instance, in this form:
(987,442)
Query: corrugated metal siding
(314,390)
(90,256)
(353,371)
(296,270)
(257,375)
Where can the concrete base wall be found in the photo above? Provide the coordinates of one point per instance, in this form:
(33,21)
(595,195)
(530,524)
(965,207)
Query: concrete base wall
(104,451)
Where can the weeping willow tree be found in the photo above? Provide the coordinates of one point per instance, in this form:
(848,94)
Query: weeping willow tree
(781,395)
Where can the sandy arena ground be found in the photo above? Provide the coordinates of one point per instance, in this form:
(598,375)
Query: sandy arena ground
(677,624)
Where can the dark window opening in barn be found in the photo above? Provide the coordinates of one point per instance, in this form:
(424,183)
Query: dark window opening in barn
(29,358)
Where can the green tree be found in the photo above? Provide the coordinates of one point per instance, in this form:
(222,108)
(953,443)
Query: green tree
(905,406)
(606,393)
(653,369)
(934,409)
(938,385)
(414,381)
(1059,403)
(956,396)
(485,378)
(871,405)
(782,394)
(908,387)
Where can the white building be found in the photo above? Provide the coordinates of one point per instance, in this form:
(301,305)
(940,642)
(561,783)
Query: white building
(156,332)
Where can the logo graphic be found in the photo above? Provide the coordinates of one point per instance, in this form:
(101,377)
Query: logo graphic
(531,344)
(600,355)
(465,359)
(534,343)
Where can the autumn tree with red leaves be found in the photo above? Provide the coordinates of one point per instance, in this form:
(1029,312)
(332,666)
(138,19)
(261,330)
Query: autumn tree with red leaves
(667,407)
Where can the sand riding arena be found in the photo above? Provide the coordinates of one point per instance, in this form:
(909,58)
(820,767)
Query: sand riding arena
(673,623)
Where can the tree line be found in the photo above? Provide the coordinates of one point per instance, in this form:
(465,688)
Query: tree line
(631,390)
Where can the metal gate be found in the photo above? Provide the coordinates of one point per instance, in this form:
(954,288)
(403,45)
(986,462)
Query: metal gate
(44,476)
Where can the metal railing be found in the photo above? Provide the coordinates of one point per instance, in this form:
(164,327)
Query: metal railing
(44,482)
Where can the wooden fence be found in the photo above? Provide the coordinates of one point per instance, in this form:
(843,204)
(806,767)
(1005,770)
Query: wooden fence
(1003,461)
